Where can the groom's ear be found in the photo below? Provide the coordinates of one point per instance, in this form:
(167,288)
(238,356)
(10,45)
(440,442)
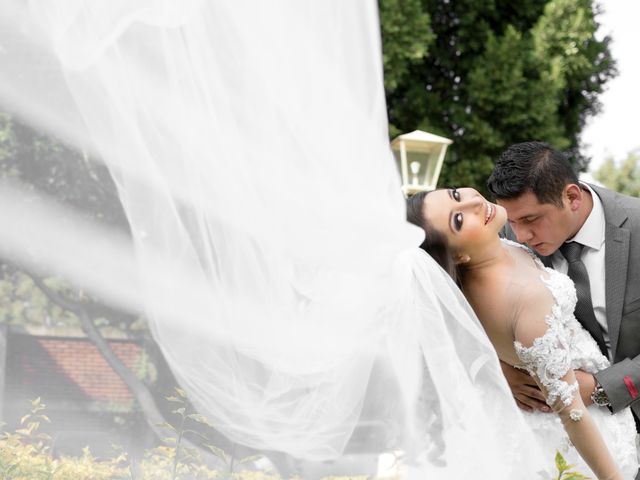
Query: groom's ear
(573,195)
(461,258)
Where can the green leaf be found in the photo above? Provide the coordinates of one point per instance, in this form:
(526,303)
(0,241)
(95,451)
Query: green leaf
(197,434)
(166,425)
(574,476)
(251,458)
(561,463)
(196,417)
(218,452)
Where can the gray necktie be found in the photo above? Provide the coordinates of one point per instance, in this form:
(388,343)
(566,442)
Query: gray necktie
(584,308)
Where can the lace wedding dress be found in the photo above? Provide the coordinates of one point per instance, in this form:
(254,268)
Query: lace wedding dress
(567,345)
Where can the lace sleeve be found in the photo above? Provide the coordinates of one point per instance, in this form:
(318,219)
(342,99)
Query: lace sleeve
(543,343)
(549,359)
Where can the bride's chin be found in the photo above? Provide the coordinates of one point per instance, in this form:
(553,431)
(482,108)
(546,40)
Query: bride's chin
(501,215)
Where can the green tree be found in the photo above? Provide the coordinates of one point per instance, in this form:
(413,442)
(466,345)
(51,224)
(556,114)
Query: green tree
(565,33)
(406,36)
(496,73)
(623,176)
(41,165)
(44,166)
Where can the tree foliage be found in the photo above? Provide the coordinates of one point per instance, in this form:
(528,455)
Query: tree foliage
(496,73)
(406,34)
(45,166)
(622,176)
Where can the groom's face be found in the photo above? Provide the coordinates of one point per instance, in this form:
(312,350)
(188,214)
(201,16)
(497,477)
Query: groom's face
(542,226)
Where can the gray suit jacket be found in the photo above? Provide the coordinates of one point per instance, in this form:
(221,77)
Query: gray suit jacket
(622,283)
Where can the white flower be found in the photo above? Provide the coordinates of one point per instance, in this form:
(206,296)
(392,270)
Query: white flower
(576,415)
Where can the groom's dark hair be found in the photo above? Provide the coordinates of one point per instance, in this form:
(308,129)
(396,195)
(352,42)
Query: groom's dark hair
(435,242)
(534,167)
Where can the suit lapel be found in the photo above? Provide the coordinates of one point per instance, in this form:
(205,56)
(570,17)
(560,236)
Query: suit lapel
(616,263)
(616,255)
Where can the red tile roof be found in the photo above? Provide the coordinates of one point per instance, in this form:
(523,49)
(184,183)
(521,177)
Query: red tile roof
(67,369)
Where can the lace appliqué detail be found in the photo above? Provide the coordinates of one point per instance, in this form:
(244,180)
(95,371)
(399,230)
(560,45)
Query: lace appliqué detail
(549,359)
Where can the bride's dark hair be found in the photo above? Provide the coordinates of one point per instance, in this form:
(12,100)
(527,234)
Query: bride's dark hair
(435,242)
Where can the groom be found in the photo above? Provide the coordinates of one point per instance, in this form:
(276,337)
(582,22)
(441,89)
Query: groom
(548,207)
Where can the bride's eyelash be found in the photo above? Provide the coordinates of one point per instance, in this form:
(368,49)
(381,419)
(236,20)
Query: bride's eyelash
(455,194)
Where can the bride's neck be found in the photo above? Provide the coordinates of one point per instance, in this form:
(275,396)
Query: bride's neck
(484,260)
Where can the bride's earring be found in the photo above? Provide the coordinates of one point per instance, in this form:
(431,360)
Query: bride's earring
(464,258)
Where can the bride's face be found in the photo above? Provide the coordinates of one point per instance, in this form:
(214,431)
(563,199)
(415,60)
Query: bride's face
(464,217)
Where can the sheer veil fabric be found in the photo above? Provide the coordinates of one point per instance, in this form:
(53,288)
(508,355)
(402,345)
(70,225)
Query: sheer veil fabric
(248,141)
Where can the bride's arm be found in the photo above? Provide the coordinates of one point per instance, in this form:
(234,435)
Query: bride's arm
(542,344)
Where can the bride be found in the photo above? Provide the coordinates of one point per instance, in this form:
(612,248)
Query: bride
(527,311)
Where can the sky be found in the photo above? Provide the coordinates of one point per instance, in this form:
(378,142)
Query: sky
(615,131)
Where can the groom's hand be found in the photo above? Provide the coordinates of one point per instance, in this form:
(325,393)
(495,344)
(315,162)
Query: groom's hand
(524,389)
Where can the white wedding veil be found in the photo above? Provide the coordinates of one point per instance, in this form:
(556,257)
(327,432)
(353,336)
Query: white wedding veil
(248,142)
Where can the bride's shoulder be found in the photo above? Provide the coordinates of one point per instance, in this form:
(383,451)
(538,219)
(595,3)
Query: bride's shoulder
(516,246)
(521,285)
(523,250)
(531,293)
(494,291)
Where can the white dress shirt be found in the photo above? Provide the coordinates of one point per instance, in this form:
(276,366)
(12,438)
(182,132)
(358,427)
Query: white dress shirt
(591,235)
